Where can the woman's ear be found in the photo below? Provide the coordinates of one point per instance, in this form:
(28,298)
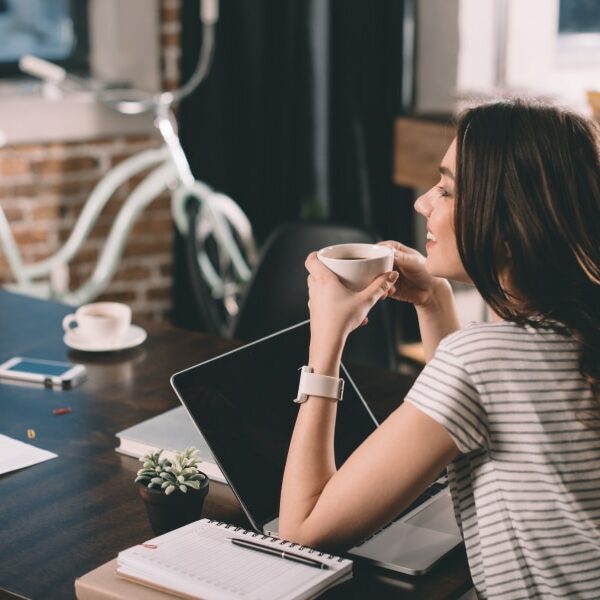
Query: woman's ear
(507,252)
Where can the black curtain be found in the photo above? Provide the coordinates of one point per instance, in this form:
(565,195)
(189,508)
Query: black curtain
(366,57)
(367,53)
(248,129)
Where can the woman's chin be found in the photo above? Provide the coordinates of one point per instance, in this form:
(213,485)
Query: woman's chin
(435,269)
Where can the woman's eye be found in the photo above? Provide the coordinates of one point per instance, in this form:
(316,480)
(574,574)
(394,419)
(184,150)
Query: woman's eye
(443,192)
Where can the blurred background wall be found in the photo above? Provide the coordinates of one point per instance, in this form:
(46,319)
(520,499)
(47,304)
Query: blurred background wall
(322,109)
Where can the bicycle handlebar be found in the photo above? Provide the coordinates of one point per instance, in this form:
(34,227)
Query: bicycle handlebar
(42,69)
(129,101)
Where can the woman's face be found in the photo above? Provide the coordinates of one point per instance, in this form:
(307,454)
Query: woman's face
(437,206)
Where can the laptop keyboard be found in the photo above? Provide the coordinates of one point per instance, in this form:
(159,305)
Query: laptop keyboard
(440,484)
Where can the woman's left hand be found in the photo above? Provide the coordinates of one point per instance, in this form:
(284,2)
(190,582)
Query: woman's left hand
(335,310)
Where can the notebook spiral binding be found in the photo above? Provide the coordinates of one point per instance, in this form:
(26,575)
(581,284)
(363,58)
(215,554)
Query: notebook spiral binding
(285,543)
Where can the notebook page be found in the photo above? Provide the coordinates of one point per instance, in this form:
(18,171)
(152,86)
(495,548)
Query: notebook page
(198,560)
(15,454)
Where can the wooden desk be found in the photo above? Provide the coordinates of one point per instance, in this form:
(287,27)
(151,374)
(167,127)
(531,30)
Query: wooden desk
(64,517)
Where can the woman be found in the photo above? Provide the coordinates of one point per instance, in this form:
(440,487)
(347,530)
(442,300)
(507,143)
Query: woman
(510,407)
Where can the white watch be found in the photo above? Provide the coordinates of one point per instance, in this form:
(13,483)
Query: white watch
(312,384)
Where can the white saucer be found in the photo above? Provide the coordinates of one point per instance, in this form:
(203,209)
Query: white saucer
(134,337)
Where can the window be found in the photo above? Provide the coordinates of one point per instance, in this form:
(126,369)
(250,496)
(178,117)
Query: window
(579,16)
(548,48)
(53,29)
(578,30)
(579,33)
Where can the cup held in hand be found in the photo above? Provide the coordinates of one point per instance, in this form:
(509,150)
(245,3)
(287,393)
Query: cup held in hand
(101,322)
(357,265)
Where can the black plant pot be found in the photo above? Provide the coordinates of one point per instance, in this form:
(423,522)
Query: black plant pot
(176,510)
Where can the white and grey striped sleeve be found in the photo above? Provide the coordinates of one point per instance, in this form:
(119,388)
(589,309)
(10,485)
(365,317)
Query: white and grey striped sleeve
(445,392)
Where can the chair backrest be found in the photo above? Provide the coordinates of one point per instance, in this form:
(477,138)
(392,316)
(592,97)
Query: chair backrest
(277,295)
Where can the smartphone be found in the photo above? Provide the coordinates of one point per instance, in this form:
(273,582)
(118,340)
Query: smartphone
(49,373)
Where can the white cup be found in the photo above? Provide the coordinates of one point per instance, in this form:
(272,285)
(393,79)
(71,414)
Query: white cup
(101,322)
(357,265)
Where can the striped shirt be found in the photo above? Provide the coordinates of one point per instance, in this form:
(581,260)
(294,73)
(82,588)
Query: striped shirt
(526,484)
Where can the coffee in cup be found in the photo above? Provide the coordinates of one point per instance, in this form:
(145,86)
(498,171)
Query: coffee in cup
(100,322)
(357,265)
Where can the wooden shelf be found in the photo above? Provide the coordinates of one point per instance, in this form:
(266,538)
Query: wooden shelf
(419,146)
(413,351)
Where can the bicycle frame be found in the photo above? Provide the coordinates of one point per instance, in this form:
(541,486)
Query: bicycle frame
(54,266)
(219,214)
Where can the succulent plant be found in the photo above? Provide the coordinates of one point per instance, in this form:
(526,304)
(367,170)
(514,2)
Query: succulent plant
(179,474)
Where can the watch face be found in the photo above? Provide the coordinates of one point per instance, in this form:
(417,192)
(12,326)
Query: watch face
(242,404)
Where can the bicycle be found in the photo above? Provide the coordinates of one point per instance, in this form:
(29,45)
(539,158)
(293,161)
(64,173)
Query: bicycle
(221,248)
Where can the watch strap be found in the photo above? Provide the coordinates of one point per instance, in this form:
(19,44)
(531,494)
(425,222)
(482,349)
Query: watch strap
(313,384)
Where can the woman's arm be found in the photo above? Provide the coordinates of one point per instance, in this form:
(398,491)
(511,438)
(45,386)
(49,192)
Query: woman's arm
(335,509)
(437,317)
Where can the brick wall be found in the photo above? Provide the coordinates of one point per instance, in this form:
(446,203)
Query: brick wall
(44,187)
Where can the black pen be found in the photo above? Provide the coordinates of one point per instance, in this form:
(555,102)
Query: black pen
(311,562)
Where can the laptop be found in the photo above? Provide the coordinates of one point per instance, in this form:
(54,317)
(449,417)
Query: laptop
(241,403)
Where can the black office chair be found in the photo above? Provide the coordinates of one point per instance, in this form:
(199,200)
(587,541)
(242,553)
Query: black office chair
(277,295)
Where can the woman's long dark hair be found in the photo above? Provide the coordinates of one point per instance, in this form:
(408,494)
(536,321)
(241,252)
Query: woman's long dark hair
(528,204)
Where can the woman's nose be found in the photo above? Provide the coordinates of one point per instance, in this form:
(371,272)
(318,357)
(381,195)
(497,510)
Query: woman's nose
(423,205)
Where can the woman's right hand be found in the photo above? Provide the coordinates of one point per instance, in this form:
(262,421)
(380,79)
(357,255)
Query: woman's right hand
(415,284)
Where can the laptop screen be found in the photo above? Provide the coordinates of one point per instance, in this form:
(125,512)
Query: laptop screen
(242,403)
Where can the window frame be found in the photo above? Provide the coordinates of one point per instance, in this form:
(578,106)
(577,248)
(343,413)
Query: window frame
(79,59)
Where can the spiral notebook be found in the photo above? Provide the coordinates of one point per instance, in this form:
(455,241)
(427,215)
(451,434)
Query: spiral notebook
(200,561)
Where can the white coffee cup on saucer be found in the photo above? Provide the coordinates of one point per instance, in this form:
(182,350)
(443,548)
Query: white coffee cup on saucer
(103,323)
(357,265)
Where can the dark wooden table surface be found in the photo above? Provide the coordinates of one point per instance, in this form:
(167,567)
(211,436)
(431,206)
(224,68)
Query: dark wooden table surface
(64,517)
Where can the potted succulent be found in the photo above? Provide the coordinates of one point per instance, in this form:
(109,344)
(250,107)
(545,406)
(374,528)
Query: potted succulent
(173,490)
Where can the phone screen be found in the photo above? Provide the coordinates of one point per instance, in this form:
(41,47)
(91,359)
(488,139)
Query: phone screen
(41,368)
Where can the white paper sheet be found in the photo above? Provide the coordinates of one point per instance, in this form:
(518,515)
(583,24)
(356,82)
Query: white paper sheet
(16,455)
